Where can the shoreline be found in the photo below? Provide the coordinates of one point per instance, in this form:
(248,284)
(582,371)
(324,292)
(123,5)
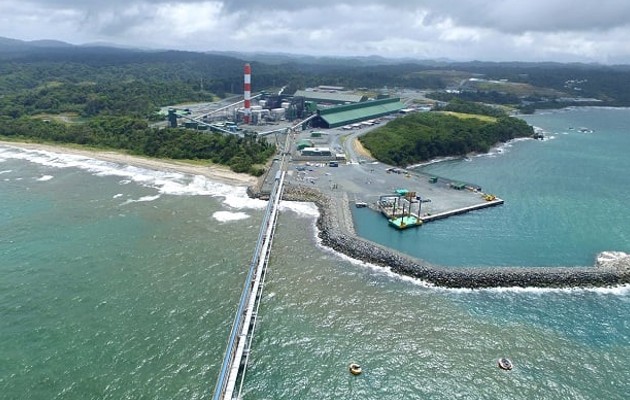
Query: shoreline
(210,171)
(336,232)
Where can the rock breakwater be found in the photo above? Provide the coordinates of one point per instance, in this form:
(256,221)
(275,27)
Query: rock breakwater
(334,233)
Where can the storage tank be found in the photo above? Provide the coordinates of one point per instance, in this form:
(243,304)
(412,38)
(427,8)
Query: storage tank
(277,113)
(261,112)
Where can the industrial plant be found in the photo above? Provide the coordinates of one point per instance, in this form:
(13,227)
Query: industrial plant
(324,107)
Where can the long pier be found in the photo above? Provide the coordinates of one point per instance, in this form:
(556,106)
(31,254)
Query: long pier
(463,210)
(236,355)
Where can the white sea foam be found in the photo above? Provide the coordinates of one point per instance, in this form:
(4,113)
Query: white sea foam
(172,183)
(621,290)
(228,216)
(376,268)
(493,152)
(236,197)
(502,148)
(387,271)
(609,257)
(301,208)
(432,161)
(142,199)
(45,178)
(117,195)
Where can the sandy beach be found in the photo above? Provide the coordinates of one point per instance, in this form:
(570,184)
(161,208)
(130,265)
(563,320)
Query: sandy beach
(211,171)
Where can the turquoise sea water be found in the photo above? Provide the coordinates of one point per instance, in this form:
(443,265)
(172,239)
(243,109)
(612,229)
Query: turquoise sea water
(117,282)
(566,198)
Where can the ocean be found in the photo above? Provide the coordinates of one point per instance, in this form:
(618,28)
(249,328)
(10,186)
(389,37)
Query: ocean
(119,282)
(565,198)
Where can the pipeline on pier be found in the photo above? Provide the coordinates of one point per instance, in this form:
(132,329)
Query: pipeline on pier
(235,359)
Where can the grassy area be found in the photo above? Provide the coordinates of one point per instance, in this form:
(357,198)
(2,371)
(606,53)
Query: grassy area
(451,77)
(367,93)
(484,118)
(518,89)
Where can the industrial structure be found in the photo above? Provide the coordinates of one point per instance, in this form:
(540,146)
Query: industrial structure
(334,117)
(247,93)
(329,97)
(323,107)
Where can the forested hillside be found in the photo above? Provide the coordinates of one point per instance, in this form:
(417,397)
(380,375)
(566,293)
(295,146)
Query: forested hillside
(422,136)
(241,154)
(106,97)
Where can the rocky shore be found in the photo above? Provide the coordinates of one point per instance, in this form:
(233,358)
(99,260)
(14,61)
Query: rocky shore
(336,231)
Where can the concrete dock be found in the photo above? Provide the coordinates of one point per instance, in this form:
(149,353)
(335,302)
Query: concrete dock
(369,182)
(463,210)
(362,179)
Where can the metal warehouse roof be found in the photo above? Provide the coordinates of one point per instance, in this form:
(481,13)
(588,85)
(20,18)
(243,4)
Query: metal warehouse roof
(343,115)
(330,97)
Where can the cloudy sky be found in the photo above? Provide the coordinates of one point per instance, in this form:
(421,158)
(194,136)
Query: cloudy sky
(495,30)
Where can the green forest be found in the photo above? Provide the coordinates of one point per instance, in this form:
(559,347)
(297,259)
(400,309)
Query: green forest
(422,136)
(241,154)
(108,97)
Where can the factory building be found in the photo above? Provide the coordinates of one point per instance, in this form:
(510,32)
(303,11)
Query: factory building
(316,152)
(334,117)
(327,97)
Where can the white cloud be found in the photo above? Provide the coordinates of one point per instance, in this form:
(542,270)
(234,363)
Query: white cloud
(30,21)
(559,30)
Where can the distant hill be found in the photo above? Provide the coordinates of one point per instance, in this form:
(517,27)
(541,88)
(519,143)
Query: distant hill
(49,43)
(13,45)
(287,58)
(28,64)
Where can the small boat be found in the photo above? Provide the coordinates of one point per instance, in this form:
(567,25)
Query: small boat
(505,364)
(355,369)
(360,204)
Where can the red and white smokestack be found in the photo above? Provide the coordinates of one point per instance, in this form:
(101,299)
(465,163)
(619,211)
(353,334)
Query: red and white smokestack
(247,93)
